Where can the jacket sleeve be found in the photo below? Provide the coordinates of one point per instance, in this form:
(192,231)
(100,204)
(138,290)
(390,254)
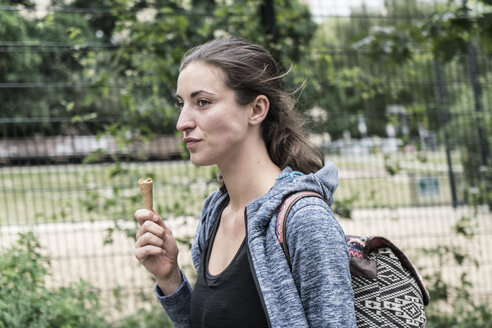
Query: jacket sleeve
(177,305)
(320,264)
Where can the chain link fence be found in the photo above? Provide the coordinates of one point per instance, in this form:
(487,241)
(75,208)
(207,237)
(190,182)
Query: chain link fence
(410,142)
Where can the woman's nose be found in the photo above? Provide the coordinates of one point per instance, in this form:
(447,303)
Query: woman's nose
(185,120)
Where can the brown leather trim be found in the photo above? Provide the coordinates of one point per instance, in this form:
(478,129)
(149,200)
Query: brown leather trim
(363,267)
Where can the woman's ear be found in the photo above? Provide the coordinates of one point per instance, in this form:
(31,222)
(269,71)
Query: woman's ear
(259,110)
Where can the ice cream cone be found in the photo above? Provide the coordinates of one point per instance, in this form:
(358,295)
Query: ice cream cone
(146,189)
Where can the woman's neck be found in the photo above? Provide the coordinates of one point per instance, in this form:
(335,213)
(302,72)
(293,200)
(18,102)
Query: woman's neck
(249,178)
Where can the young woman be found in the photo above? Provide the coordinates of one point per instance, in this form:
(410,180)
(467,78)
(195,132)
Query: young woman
(236,115)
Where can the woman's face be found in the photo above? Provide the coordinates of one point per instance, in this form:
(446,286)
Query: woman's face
(214,125)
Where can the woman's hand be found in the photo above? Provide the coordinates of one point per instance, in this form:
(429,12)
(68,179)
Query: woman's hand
(157,250)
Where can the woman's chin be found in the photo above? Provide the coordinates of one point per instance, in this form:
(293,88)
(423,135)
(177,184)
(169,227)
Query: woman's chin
(196,160)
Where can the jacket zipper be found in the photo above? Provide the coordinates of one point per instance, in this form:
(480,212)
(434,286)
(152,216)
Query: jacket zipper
(253,272)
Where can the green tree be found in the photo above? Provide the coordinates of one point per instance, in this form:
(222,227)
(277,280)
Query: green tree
(354,71)
(41,61)
(447,41)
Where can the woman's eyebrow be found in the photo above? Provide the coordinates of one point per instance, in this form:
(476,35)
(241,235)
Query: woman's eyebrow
(196,93)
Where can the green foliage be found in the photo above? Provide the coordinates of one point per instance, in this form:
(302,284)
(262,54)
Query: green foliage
(447,38)
(25,301)
(446,31)
(147,318)
(391,165)
(125,56)
(365,63)
(343,208)
(58,38)
(452,304)
(150,52)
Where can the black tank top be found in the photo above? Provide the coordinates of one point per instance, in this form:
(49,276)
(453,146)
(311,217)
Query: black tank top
(229,299)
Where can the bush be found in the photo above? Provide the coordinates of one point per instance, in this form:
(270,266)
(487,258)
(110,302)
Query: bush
(25,301)
(452,304)
(153,318)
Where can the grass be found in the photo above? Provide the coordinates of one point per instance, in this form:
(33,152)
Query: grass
(73,193)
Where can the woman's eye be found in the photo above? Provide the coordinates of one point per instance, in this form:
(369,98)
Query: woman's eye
(203,103)
(179,104)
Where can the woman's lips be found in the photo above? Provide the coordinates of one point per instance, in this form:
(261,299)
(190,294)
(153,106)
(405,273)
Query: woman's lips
(191,142)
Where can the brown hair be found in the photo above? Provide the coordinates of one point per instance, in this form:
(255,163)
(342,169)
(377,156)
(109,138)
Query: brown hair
(250,71)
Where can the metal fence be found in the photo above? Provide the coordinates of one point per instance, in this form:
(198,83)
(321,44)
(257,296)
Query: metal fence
(403,180)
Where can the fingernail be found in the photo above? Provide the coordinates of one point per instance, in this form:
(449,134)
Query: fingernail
(155,217)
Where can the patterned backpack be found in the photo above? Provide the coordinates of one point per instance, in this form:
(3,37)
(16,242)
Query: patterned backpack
(388,290)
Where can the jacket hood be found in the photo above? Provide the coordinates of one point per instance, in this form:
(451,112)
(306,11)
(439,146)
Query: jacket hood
(324,182)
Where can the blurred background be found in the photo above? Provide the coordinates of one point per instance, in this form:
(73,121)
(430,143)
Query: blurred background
(397,93)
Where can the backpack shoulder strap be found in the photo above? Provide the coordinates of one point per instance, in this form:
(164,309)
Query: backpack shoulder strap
(283,213)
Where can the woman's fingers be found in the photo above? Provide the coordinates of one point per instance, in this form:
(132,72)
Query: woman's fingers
(149,238)
(142,253)
(155,246)
(143,215)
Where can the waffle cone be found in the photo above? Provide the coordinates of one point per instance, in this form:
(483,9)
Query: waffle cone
(146,190)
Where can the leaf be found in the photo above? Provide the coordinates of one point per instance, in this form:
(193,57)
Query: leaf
(73,32)
(84,118)
(459,257)
(464,227)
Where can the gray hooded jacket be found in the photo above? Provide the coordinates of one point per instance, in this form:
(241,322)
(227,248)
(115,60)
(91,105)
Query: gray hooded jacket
(317,292)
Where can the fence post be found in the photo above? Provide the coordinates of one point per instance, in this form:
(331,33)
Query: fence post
(443,119)
(477,95)
(268,16)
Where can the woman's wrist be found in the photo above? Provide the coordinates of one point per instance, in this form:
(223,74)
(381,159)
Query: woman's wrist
(170,284)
